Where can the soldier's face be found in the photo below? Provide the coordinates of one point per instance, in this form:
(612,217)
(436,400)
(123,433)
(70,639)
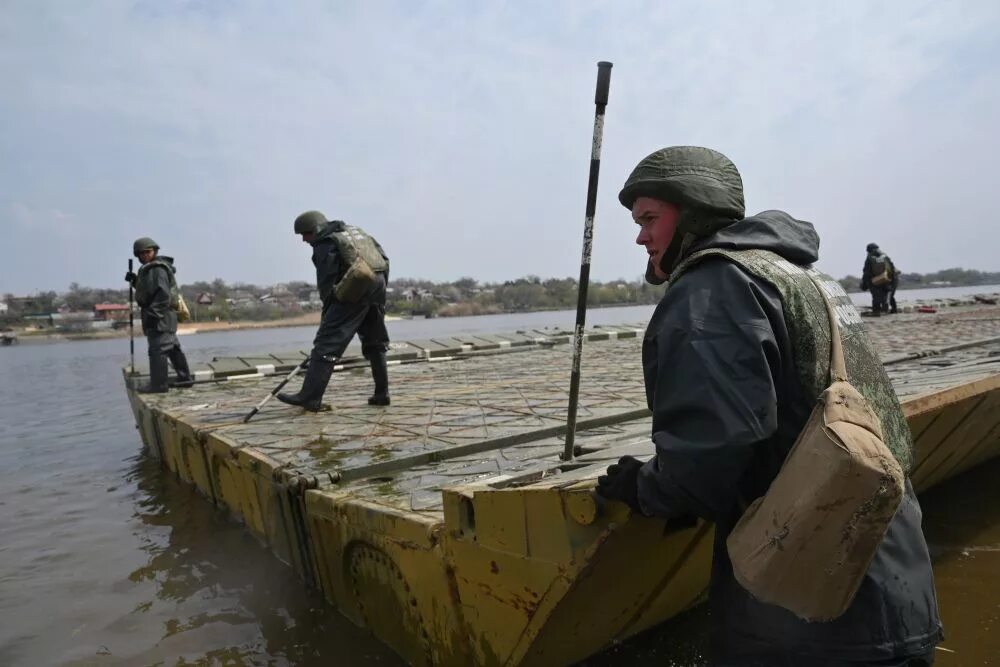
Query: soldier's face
(146,256)
(308,237)
(657,222)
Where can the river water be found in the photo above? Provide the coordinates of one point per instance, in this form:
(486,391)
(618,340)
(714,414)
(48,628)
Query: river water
(105,560)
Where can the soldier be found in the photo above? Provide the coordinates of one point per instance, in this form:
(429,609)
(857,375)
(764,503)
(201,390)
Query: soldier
(879,276)
(157,295)
(893,286)
(351,274)
(734,357)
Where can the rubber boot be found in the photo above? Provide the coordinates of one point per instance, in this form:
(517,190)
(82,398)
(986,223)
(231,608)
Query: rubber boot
(310,396)
(180,362)
(157,376)
(380,373)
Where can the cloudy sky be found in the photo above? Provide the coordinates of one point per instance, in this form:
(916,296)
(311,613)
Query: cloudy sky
(458,133)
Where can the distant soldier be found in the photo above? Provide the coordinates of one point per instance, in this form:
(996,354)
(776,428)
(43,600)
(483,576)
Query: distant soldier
(157,295)
(879,277)
(351,274)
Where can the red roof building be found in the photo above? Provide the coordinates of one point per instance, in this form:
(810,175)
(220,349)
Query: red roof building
(111,311)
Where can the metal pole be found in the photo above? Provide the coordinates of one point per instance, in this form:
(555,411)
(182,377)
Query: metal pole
(600,101)
(131,321)
(274,391)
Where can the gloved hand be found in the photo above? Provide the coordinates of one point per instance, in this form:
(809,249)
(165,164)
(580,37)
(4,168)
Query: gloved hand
(622,482)
(130,277)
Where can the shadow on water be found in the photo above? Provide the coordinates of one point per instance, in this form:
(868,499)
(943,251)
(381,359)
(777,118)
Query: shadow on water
(211,594)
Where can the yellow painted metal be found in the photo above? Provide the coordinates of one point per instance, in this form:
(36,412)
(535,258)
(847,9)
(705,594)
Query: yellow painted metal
(387,570)
(969,422)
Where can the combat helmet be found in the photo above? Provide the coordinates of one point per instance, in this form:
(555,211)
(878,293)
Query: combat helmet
(703,183)
(144,243)
(871,247)
(310,222)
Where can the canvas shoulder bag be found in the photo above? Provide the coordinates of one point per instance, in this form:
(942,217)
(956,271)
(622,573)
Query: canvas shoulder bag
(807,543)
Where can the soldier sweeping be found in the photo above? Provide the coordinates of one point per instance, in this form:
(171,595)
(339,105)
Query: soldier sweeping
(157,295)
(351,274)
(734,358)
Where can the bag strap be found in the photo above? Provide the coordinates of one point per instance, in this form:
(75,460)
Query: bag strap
(838,367)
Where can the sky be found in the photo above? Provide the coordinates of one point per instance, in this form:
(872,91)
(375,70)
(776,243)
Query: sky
(459,133)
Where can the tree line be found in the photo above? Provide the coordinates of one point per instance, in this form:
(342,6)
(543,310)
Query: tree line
(408,296)
(911,280)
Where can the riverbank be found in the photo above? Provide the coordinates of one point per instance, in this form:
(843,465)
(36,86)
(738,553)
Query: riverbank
(185,329)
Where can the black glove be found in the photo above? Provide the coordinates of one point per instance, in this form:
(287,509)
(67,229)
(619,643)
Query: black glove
(130,277)
(622,482)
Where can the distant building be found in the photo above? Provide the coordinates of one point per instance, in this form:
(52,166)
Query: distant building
(111,311)
(204,298)
(308,299)
(3,308)
(79,320)
(241,297)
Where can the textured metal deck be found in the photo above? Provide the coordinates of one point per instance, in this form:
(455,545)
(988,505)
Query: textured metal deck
(498,416)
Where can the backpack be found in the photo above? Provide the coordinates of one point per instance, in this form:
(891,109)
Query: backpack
(881,271)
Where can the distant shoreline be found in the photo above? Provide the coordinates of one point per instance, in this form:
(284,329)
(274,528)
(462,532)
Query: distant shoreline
(185,329)
(312,320)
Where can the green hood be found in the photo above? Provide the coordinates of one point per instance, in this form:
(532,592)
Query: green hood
(326,232)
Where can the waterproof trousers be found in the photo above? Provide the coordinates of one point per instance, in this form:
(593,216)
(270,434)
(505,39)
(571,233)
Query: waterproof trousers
(880,297)
(164,346)
(340,322)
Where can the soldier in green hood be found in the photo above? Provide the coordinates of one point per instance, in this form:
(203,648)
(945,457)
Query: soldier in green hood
(352,270)
(734,358)
(157,295)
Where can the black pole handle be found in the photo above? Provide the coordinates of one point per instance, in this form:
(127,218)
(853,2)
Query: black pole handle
(603,83)
(600,101)
(131,321)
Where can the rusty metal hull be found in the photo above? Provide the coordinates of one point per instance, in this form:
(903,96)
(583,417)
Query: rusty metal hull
(447,524)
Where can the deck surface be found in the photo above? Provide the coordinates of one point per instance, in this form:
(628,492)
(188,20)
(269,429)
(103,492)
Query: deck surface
(493,408)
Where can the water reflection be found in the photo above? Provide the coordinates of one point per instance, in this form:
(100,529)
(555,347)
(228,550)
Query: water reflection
(208,593)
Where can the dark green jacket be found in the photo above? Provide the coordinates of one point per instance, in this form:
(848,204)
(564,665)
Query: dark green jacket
(155,287)
(728,402)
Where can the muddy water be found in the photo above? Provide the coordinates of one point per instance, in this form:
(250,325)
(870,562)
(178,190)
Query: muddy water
(104,560)
(962,525)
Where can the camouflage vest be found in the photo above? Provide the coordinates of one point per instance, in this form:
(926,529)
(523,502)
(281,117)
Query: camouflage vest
(142,277)
(809,327)
(354,242)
